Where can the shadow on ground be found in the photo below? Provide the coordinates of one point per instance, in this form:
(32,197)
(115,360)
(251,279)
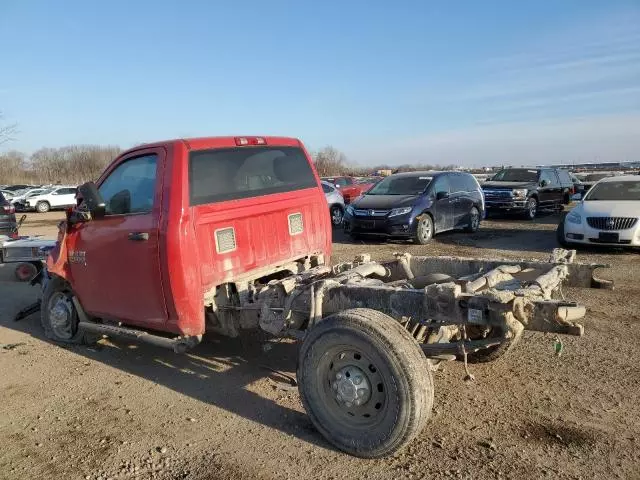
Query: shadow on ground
(220,372)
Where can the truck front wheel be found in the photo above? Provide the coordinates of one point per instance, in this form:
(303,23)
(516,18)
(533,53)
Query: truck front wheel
(365,382)
(59,317)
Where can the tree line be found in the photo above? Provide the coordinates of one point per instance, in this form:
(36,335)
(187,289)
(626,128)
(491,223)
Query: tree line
(72,165)
(332,162)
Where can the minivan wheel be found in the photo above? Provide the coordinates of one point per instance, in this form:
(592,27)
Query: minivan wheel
(474,221)
(424,229)
(531,208)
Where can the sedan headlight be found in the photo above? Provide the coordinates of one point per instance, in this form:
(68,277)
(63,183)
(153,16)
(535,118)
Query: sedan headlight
(350,209)
(400,211)
(520,193)
(574,217)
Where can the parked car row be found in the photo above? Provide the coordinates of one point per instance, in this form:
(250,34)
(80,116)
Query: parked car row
(418,205)
(41,198)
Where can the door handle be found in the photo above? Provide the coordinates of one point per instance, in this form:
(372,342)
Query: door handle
(139,236)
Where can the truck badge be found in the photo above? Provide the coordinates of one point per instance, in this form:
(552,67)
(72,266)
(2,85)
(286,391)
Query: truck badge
(78,256)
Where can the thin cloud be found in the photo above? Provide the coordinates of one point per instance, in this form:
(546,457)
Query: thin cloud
(603,138)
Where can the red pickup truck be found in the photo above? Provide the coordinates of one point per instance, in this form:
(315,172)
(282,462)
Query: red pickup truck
(231,234)
(350,187)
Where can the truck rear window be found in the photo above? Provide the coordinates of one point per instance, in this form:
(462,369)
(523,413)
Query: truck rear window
(234,173)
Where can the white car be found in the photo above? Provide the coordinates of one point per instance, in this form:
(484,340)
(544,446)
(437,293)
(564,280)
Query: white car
(609,214)
(56,197)
(335,201)
(20,197)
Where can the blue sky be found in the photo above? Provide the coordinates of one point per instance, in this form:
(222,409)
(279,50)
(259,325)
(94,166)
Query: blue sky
(450,82)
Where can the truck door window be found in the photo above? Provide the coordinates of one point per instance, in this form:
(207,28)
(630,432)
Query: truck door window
(130,187)
(234,173)
(549,176)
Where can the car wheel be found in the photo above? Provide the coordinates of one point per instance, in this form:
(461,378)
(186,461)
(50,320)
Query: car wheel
(59,317)
(566,199)
(424,229)
(560,236)
(364,382)
(336,215)
(531,209)
(43,207)
(474,221)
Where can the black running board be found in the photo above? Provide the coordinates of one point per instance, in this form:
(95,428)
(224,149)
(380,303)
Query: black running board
(177,344)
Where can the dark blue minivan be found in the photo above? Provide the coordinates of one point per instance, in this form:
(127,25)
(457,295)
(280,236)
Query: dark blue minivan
(416,206)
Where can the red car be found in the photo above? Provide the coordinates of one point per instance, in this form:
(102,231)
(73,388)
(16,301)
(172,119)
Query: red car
(350,187)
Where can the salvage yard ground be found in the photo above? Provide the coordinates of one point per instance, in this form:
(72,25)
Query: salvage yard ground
(220,412)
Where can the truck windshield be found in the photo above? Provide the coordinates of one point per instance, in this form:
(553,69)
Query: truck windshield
(614,191)
(233,173)
(400,186)
(516,175)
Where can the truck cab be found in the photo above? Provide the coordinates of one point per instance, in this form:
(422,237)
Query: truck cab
(183,222)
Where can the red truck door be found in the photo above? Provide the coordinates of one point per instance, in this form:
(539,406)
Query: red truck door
(114,260)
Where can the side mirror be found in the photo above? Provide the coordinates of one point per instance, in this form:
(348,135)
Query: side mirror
(544,183)
(442,195)
(92,199)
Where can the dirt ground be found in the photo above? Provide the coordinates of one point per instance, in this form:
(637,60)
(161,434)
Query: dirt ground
(121,410)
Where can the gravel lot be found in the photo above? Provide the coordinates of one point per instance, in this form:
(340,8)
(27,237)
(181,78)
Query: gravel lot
(131,411)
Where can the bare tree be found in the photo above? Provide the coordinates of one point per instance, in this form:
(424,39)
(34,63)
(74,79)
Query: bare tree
(7,131)
(330,161)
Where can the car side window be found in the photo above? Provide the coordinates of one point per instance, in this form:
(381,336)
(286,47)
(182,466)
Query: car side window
(441,185)
(130,187)
(564,176)
(326,188)
(549,177)
(457,183)
(66,191)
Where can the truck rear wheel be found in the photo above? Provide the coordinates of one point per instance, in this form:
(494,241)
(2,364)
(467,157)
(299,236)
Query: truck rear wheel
(492,353)
(59,317)
(365,382)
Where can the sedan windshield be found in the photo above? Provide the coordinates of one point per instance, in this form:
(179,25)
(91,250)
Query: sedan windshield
(400,186)
(516,175)
(615,191)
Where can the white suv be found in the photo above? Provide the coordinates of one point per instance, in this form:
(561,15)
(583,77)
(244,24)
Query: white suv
(57,197)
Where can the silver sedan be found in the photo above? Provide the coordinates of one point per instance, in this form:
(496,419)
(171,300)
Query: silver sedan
(335,202)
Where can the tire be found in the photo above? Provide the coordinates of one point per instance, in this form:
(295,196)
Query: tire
(25,271)
(531,210)
(490,354)
(60,329)
(424,230)
(371,345)
(562,241)
(337,214)
(43,207)
(474,221)
(566,200)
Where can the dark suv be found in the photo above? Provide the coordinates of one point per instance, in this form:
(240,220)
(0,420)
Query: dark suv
(8,223)
(527,190)
(417,205)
